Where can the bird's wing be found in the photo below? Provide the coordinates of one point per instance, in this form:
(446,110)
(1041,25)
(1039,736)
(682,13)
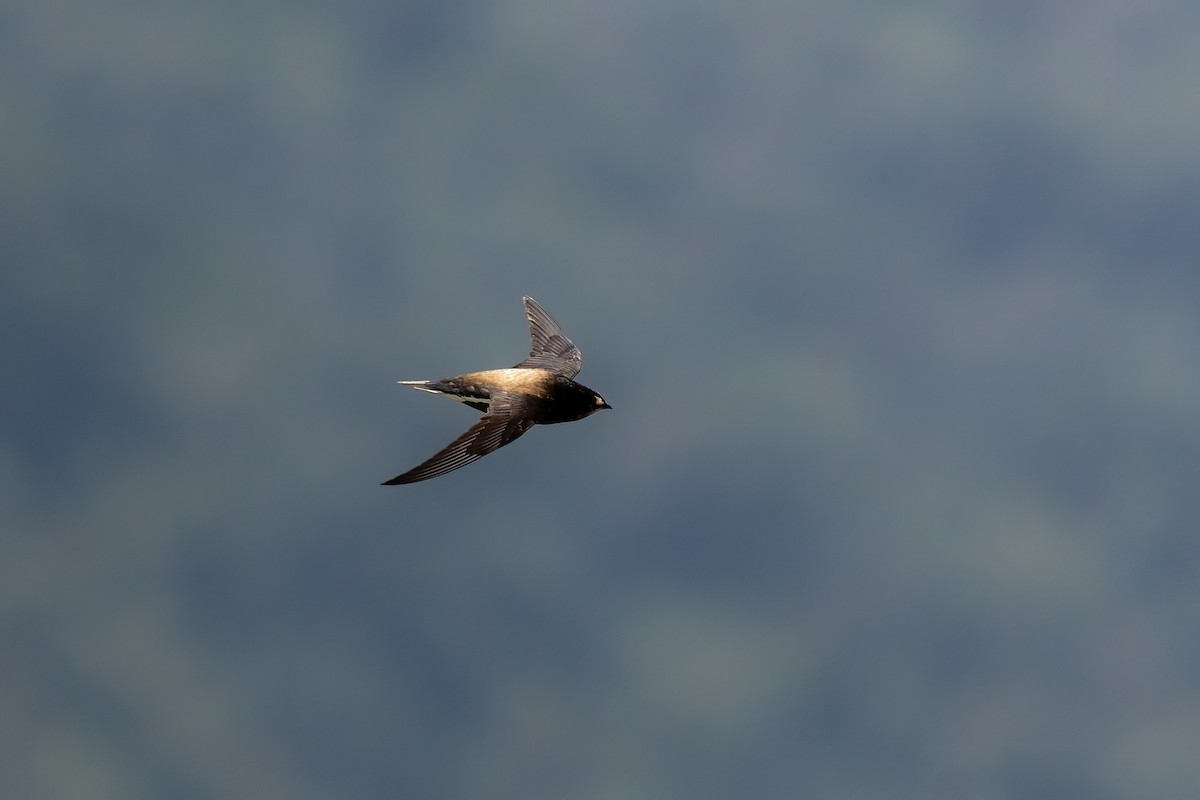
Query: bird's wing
(550,349)
(502,424)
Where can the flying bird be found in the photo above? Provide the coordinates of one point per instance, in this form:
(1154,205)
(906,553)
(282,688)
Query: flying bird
(538,391)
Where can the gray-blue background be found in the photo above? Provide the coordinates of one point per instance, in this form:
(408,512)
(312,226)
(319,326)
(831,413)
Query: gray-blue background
(896,304)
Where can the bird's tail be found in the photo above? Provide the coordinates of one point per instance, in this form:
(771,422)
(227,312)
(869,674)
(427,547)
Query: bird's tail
(425,386)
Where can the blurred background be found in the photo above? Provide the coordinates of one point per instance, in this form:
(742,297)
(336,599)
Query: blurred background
(896,305)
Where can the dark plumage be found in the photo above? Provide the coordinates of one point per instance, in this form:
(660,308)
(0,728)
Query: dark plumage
(538,391)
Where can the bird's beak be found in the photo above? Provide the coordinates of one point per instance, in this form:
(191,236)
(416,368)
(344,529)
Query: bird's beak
(605,405)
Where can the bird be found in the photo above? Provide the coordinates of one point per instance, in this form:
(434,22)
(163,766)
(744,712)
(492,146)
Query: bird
(538,391)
